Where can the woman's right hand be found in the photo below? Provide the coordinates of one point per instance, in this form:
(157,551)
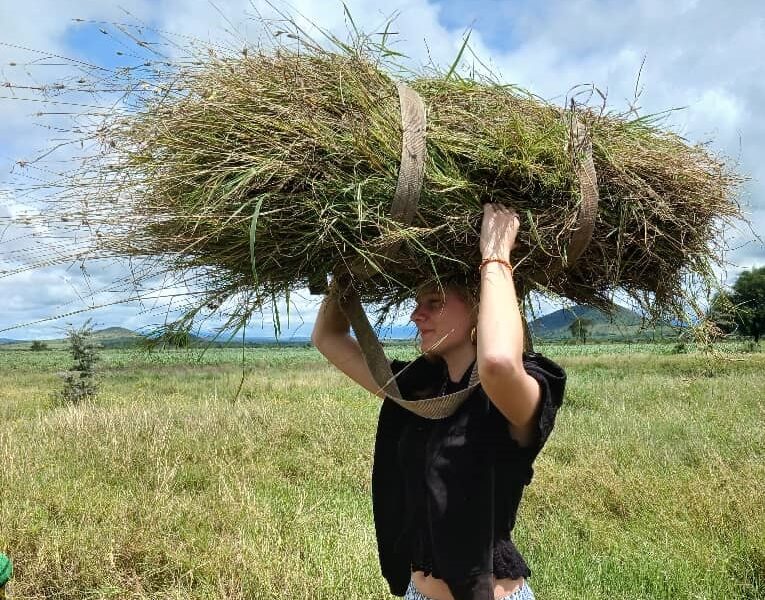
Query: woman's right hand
(498,230)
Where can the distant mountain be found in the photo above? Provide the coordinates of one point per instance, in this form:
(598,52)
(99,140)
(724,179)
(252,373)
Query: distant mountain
(565,316)
(622,324)
(111,337)
(117,337)
(111,332)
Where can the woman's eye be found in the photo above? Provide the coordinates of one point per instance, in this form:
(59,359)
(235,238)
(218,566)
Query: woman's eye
(434,303)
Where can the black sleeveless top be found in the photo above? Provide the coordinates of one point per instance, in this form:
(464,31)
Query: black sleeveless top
(446,492)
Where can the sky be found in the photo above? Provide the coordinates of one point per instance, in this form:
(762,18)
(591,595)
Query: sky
(703,57)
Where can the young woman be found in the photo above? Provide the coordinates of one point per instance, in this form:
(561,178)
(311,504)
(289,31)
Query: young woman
(446,492)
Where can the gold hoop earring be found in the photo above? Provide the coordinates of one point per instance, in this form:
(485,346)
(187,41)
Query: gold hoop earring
(472,335)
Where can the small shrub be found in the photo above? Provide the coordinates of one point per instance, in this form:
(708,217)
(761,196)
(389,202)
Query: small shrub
(38,346)
(79,381)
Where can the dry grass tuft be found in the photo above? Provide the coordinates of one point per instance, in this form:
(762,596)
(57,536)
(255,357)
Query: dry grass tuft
(250,173)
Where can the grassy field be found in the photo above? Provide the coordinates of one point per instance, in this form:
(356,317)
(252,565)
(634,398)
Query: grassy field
(652,485)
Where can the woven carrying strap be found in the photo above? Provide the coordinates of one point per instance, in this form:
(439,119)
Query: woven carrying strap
(439,407)
(403,208)
(584,166)
(410,175)
(580,148)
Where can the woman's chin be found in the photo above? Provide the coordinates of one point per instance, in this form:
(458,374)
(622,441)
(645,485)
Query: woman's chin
(428,347)
(423,347)
(434,348)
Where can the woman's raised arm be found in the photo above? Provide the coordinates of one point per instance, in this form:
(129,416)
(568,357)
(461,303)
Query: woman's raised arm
(331,336)
(500,328)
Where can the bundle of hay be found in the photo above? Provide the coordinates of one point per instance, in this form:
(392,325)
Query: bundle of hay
(258,172)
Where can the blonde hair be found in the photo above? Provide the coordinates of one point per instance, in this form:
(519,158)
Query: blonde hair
(467,293)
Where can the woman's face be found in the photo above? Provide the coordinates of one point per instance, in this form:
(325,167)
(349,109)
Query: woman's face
(443,320)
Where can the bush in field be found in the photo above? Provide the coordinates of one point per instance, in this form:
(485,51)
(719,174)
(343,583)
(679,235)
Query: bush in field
(722,313)
(749,298)
(175,336)
(743,308)
(79,381)
(579,329)
(38,346)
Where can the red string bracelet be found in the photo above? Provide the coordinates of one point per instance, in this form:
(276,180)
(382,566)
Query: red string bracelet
(501,261)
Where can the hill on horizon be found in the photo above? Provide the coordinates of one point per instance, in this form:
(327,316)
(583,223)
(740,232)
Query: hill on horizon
(622,324)
(109,337)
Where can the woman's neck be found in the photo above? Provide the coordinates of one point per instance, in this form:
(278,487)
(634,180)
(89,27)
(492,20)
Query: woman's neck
(458,360)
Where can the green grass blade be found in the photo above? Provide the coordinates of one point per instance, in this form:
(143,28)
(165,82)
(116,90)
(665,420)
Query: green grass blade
(277,322)
(253,231)
(457,60)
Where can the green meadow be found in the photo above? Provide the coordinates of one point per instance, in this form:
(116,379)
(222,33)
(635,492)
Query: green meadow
(171,485)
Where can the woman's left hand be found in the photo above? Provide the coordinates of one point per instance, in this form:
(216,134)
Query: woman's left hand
(498,230)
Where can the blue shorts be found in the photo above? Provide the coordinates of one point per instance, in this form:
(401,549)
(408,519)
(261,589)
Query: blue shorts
(522,593)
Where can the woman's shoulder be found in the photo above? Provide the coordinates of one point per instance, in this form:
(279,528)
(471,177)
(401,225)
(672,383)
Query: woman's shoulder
(397,365)
(543,368)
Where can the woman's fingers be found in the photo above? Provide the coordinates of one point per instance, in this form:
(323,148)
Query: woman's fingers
(493,208)
(498,230)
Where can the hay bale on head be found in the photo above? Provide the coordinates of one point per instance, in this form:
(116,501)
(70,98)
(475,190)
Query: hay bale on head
(259,172)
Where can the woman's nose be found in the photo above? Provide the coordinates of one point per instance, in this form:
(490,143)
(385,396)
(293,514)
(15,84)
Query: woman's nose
(417,315)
